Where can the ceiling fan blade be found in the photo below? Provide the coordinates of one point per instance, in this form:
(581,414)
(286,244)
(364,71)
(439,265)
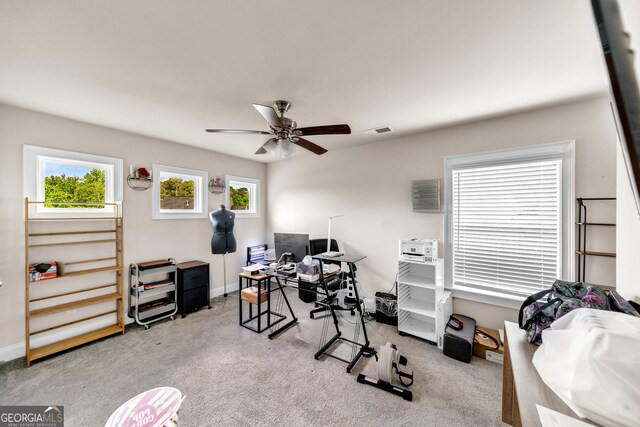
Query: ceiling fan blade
(259,132)
(309,145)
(269,115)
(263,149)
(323,130)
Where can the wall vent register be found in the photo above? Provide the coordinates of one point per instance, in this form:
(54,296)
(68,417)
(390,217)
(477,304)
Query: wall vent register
(425,195)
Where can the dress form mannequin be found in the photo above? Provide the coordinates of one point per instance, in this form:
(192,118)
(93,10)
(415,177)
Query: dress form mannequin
(223,241)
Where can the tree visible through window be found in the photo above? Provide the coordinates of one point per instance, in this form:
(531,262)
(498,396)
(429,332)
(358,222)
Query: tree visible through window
(180,193)
(243,196)
(177,193)
(73,184)
(239,198)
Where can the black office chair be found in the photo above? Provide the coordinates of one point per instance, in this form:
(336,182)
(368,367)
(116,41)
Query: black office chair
(318,246)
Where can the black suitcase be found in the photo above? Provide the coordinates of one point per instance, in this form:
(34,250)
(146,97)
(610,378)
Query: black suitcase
(458,337)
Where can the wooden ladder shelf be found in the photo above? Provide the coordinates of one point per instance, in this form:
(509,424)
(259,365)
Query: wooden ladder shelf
(74,297)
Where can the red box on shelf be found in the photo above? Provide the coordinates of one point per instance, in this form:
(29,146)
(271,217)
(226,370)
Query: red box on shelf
(50,273)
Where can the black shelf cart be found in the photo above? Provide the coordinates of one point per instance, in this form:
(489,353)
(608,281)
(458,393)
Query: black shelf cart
(582,225)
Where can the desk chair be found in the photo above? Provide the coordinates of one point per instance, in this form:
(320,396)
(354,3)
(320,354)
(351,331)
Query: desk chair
(318,246)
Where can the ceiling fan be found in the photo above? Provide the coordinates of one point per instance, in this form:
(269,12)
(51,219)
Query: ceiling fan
(285,130)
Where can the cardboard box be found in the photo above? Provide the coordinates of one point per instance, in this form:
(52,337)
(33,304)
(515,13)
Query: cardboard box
(251,295)
(485,347)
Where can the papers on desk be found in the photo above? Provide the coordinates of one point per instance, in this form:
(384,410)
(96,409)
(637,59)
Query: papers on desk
(253,268)
(551,418)
(332,254)
(330,268)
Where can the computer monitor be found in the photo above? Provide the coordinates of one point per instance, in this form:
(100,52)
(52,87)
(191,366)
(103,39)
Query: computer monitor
(296,244)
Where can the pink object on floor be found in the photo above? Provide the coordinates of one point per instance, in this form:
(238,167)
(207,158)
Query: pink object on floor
(157,407)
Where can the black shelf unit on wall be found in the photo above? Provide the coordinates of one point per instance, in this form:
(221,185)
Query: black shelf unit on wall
(583,225)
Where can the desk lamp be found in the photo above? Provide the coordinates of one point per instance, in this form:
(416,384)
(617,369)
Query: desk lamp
(329,234)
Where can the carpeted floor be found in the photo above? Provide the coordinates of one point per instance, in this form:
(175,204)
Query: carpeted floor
(232,376)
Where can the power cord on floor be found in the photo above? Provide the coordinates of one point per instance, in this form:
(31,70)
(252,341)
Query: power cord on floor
(395,283)
(214,299)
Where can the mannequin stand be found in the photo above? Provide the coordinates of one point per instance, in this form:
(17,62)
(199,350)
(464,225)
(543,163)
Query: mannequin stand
(224,272)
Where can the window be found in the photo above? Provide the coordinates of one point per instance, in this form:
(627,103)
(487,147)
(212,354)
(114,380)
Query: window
(508,225)
(66,180)
(243,196)
(178,193)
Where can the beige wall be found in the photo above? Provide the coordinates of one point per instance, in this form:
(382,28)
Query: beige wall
(145,239)
(370,186)
(628,219)
(628,230)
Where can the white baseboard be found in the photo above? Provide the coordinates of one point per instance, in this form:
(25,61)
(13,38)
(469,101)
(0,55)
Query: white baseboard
(13,351)
(18,350)
(216,292)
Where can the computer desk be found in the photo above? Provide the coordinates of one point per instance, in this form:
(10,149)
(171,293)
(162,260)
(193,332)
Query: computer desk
(283,280)
(286,281)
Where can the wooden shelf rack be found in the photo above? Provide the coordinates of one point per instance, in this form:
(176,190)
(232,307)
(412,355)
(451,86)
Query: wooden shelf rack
(53,300)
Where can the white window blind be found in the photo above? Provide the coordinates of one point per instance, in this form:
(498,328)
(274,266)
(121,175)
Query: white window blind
(506,226)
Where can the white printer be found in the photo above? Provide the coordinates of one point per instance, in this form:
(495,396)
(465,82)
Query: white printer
(419,250)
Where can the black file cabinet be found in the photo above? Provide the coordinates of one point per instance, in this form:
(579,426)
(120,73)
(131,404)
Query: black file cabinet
(193,286)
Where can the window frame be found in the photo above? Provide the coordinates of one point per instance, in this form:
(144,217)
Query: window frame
(199,194)
(254,196)
(564,151)
(34,160)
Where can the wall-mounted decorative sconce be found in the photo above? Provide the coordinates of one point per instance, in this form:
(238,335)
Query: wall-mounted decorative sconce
(217,185)
(139,179)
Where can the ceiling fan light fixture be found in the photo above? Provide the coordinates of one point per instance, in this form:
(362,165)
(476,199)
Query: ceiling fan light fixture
(287,148)
(271,147)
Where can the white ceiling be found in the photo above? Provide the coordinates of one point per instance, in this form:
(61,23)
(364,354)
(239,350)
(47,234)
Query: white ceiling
(169,69)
